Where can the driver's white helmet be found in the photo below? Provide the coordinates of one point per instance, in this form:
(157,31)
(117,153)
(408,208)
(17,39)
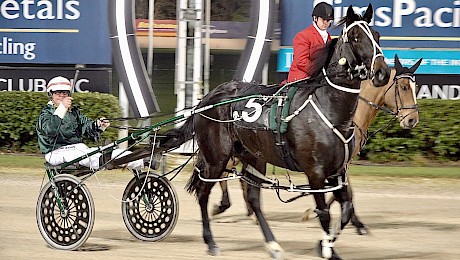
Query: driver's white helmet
(58,83)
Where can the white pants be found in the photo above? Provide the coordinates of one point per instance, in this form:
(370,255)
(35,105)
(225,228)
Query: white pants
(70,152)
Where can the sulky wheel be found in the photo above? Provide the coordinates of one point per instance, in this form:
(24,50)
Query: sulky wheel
(68,226)
(150,213)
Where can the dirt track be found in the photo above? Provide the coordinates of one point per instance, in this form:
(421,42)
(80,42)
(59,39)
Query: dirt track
(408,219)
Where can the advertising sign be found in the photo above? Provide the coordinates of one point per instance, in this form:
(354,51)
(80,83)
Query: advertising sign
(54,32)
(433,86)
(35,79)
(434,61)
(401,23)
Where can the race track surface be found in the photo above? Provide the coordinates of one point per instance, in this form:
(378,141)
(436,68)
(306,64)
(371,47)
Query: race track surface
(407,218)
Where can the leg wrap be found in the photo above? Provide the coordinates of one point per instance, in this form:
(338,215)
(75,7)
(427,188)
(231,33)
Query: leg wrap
(327,246)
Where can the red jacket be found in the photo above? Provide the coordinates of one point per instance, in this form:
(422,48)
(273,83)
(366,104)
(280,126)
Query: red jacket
(305,43)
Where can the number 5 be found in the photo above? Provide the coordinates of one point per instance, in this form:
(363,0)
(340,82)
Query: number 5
(252,116)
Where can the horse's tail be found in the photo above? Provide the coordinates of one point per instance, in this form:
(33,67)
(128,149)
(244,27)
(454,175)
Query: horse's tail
(195,182)
(177,136)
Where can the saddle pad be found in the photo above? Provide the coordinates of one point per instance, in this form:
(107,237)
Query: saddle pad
(254,113)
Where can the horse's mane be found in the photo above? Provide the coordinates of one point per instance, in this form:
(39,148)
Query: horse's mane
(322,57)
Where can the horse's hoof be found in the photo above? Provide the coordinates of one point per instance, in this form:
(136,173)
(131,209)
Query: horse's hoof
(214,250)
(361,230)
(274,249)
(254,219)
(308,214)
(326,252)
(216,210)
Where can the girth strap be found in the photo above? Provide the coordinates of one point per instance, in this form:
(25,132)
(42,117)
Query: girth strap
(278,126)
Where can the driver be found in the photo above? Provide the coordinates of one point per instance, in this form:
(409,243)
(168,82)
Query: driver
(309,40)
(61,128)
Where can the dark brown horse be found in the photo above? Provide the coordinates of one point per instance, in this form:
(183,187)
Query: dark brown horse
(316,142)
(397,98)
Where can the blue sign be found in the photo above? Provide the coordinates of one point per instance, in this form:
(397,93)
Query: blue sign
(54,32)
(401,23)
(434,61)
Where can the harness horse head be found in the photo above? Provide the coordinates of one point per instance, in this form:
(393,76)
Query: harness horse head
(367,60)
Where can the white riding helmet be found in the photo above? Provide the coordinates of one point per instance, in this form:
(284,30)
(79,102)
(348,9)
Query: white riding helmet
(58,83)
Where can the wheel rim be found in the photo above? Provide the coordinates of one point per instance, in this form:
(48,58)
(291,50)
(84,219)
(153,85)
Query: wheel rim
(70,228)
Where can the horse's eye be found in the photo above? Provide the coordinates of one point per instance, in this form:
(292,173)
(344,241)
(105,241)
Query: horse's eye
(355,39)
(404,88)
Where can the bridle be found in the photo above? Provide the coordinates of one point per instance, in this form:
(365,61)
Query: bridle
(387,110)
(359,70)
(377,51)
(398,99)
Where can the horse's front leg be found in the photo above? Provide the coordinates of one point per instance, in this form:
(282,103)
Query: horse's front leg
(360,227)
(326,245)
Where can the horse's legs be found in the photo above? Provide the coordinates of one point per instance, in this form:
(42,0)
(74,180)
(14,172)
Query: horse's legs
(360,227)
(244,187)
(326,245)
(346,205)
(225,200)
(202,192)
(253,200)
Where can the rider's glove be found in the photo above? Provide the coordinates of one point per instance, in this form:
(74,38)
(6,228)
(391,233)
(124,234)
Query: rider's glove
(102,123)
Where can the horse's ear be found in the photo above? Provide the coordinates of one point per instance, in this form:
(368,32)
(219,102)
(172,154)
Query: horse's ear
(415,66)
(351,15)
(398,65)
(367,17)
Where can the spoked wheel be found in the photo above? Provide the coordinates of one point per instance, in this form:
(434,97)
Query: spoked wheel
(65,221)
(150,207)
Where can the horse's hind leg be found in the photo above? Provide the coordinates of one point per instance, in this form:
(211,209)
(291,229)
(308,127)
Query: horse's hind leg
(253,200)
(346,205)
(224,202)
(203,190)
(361,229)
(245,196)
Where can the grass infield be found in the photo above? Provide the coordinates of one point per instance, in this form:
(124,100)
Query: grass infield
(34,163)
